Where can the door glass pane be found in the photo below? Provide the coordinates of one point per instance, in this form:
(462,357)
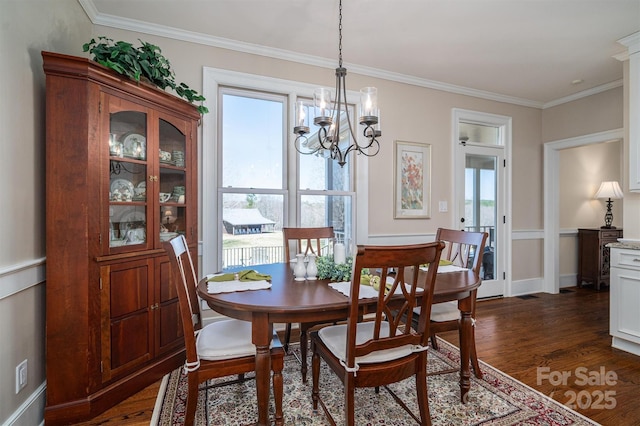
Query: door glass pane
(252,229)
(173,191)
(252,142)
(480,204)
(127,180)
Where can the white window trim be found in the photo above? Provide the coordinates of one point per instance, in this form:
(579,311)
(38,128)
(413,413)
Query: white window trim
(208,176)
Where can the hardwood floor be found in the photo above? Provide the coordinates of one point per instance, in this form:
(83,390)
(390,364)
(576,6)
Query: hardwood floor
(564,333)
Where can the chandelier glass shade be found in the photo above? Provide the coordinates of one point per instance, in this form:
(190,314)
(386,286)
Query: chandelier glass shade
(332,119)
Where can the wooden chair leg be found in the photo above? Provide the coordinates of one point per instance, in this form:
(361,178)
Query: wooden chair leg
(349,401)
(434,341)
(192,399)
(287,337)
(315,377)
(304,342)
(423,400)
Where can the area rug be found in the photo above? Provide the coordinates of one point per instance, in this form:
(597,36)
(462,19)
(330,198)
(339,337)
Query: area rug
(497,399)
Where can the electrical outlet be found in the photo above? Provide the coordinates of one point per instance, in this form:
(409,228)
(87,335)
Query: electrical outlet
(21,376)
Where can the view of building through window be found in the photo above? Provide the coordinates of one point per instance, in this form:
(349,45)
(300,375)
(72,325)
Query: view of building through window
(256,191)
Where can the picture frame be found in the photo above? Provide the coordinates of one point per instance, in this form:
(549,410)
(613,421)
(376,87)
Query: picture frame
(412,180)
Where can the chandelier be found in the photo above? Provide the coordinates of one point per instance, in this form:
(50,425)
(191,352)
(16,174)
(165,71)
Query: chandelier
(328,118)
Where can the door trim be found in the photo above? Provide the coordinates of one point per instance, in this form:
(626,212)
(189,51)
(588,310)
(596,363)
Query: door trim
(552,200)
(503,260)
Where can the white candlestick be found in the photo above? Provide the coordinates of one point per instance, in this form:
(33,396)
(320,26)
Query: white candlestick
(339,253)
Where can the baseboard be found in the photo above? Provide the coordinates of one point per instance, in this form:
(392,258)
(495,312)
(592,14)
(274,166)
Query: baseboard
(568,280)
(528,286)
(31,411)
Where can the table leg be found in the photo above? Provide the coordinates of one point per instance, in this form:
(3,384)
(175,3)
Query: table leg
(261,335)
(465,353)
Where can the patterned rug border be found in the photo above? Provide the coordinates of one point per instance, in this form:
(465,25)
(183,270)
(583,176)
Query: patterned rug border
(497,399)
(452,349)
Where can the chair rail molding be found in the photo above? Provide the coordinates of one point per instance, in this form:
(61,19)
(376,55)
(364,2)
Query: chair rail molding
(18,277)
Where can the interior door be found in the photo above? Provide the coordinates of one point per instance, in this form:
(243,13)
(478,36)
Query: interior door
(480,211)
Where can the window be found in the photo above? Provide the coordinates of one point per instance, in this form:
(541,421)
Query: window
(253,180)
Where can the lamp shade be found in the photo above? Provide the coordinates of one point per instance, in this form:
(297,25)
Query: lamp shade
(609,189)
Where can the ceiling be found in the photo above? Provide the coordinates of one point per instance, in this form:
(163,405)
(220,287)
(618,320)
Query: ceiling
(529,52)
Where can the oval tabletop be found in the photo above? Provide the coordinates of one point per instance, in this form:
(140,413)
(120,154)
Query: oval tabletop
(287,295)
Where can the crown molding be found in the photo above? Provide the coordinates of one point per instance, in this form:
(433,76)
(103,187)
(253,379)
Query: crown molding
(631,42)
(584,94)
(255,49)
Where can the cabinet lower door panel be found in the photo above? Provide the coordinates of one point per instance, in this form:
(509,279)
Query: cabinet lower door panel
(127,306)
(129,340)
(627,296)
(170,327)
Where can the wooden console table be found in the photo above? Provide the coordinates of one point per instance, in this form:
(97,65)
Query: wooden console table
(594,258)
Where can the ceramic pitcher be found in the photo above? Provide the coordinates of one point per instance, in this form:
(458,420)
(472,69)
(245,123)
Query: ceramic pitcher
(300,269)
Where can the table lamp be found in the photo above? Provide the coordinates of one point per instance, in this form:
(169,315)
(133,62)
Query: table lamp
(609,190)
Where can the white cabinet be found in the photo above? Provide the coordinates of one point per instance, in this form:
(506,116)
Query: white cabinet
(632,43)
(624,320)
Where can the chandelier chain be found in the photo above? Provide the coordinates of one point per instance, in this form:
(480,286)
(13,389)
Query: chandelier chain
(340,35)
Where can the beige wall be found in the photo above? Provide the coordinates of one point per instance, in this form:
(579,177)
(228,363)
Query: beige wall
(26,28)
(597,113)
(582,169)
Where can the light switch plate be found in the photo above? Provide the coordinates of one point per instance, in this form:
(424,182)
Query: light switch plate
(442,206)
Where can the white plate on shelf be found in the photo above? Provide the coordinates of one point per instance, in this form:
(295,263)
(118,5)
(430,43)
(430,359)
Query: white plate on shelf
(135,236)
(133,216)
(131,142)
(122,185)
(166,236)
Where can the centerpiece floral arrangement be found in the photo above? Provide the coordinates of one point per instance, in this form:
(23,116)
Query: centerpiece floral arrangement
(338,272)
(328,269)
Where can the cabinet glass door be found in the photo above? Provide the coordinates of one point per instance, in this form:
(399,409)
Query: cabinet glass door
(127,179)
(173,181)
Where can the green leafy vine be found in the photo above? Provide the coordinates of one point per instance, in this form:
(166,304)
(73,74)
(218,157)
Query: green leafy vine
(144,62)
(328,269)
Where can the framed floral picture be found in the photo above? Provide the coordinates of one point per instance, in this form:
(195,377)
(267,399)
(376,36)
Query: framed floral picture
(412,180)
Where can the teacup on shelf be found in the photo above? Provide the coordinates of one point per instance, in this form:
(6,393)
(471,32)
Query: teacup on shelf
(165,196)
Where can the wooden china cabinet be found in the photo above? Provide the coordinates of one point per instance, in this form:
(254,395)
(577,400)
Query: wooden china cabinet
(120,178)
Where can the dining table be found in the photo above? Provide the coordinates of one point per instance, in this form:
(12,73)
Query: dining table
(314,301)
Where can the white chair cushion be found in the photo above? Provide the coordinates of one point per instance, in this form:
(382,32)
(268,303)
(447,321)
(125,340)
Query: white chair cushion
(225,340)
(335,338)
(440,312)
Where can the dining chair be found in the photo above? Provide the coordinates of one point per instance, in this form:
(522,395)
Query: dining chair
(463,249)
(219,349)
(305,241)
(382,350)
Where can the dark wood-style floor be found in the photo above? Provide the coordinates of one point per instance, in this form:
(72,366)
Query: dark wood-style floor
(567,333)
